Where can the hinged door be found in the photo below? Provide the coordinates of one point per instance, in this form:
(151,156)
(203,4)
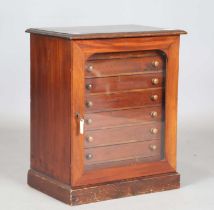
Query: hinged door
(124,108)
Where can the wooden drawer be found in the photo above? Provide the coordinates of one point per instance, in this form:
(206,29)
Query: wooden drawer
(118,100)
(123,162)
(124,66)
(123,151)
(118,83)
(125,134)
(123,117)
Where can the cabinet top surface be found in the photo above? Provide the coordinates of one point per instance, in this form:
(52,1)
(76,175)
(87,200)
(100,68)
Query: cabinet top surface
(111,31)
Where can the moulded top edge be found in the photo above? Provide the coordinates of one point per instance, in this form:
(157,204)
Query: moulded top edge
(110,31)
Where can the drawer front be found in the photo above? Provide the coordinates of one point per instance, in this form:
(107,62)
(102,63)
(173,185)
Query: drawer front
(121,83)
(125,117)
(124,134)
(127,66)
(123,162)
(124,151)
(124,110)
(118,100)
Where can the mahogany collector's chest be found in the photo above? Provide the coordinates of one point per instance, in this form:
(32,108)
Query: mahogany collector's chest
(103,111)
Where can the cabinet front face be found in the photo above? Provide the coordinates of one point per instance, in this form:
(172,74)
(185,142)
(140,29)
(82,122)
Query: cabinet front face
(123,99)
(124,109)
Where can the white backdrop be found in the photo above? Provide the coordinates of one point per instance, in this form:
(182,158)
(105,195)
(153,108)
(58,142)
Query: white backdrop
(196,52)
(196,97)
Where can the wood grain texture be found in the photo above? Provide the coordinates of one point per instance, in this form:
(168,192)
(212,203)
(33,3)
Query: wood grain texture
(84,50)
(121,83)
(127,66)
(122,61)
(50,107)
(123,162)
(49,186)
(101,120)
(133,150)
(124,99)
(124,55)
(105,191)
(134,44)
(126,188)
(123,134)
(172,102)
(77,106)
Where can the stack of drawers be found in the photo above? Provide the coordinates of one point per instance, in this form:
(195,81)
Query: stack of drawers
(103,111)
(124,109)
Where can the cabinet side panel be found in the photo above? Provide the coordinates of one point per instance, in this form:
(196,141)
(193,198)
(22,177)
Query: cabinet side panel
(50,106)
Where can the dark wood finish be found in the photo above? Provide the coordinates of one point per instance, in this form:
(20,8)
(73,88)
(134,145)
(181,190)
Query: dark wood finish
(123,117)
(127,188)
(50,106)
(83,50)
(121,83)
(126,99)
(114,31)
(105,191)
(124,161)
(50,186)
(113,46)
(118,152)
(125,55)
(123,134)
(127,66)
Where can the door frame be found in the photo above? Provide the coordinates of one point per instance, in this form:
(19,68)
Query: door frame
(81,51)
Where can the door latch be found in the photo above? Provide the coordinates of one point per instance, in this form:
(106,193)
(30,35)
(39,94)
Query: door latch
(81,123)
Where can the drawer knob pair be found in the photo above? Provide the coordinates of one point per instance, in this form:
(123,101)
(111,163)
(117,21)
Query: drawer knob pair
(154,130)
(89,156)
(155,63)
(154,97)
(152,147)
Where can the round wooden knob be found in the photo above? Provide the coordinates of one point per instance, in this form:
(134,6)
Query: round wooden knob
(89,121)
(89,156)
(155,63)
(153,147)
(90,68)
(89,139)
(154,97)
(154,130)
(88,86)
(154,114)
(89,104)
(155,81)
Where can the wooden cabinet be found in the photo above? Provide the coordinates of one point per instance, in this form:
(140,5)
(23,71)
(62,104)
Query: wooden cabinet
(103,111)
